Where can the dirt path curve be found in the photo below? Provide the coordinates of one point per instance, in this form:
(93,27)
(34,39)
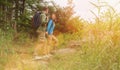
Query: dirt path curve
(26,62)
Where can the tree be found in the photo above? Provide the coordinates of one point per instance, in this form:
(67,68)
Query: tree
(64,15)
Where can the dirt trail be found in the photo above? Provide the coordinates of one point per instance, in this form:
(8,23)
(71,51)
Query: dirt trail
(27,62)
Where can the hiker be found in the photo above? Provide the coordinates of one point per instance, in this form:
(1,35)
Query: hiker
(50,30)
(44,20)
(41,47)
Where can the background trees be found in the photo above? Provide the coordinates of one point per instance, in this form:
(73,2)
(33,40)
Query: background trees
(99,41)
(17,14)
(10,12)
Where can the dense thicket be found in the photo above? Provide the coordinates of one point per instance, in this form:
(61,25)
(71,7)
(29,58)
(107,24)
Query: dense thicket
(17,14)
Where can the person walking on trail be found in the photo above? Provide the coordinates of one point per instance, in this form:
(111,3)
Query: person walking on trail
(50,30)
(44,20)
(41,47)
(39,21)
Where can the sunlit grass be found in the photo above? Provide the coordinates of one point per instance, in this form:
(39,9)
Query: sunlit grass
(99,50)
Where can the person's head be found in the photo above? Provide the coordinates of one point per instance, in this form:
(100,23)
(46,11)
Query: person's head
(53,16)
(46,10)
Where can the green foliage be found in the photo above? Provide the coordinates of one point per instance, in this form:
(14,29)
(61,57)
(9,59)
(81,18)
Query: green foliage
(5,47)
(65,20)
(99,48)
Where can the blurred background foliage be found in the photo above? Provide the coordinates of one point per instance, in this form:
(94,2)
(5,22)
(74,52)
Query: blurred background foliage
(17,14)
(100,47)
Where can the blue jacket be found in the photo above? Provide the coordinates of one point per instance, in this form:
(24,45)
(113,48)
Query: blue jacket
(50,27)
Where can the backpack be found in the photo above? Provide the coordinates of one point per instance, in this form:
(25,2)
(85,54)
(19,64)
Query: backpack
(36,20)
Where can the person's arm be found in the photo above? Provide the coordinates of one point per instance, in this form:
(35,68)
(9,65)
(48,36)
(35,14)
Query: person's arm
(49,25)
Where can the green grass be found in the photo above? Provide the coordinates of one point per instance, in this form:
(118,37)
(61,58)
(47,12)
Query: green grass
(92,55)
(99,51)
(65,38)
(10,47)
